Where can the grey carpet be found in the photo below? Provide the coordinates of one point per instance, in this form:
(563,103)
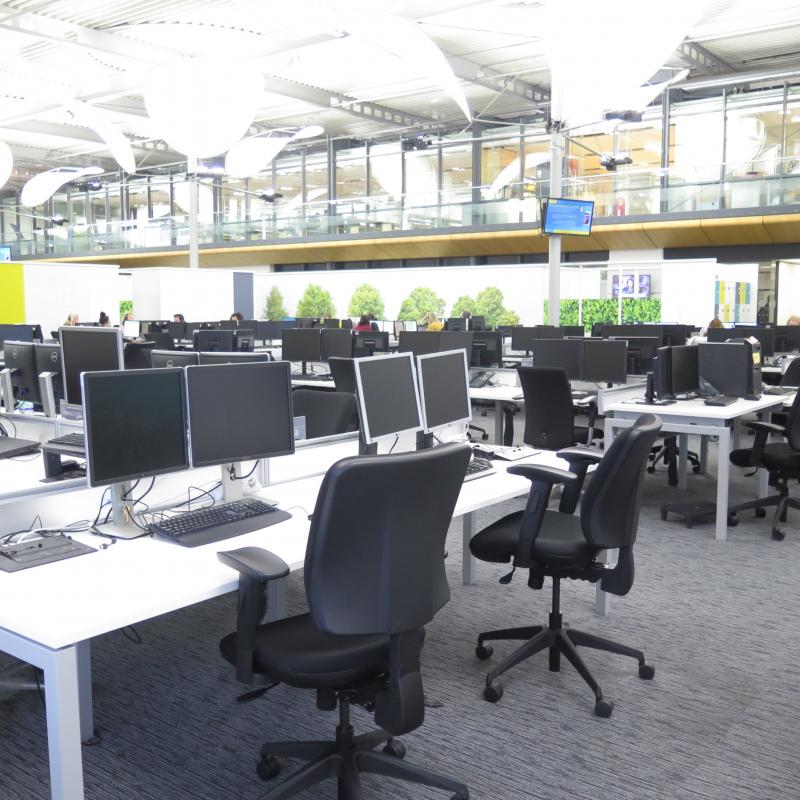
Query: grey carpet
(719,720)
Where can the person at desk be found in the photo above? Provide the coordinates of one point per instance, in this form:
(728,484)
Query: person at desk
(178,318)
(238,316)
(364,324)
(127,316)
(793,320)
(72,319)
(432,322)
(373,325)
(104,320)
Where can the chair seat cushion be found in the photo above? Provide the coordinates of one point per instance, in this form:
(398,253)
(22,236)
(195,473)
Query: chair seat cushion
(742,458)
(294,651)
(560,542)
(781,457)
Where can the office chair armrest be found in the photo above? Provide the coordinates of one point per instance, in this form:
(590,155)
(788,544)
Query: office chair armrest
(580,459)
(539,473)
(766,427)
(255,563)
(577,454)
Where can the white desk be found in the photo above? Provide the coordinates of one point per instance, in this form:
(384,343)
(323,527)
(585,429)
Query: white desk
(691,416)
(498,395)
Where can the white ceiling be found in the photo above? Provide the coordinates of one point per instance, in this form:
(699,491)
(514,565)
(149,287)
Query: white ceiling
(55,50)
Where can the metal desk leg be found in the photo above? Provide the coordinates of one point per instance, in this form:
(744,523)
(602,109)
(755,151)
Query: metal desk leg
(498,421)
(703,454)
(63,702)
(467,559)
(737,432)
(276,600)
(84,650)
(683,459)
(723,479)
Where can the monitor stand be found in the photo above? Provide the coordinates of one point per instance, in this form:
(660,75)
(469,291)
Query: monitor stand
(424,440)
(48,396)
(232,489)
(7,388)
(121,526)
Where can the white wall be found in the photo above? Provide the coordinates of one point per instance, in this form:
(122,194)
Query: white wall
(788,290)
(203,294)
(54,290)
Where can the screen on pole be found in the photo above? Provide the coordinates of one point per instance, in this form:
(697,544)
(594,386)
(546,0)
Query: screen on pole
(563,216)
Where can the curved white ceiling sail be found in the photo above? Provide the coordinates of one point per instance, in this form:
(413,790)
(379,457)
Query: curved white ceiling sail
(250,156)
(43,186)
(510,173)
(94,118)
(6,163)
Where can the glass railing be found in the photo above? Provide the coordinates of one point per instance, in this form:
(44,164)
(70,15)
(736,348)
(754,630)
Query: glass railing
(625,193)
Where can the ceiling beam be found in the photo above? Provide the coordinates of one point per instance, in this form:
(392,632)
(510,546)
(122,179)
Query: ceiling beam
(702,58)
(489,78)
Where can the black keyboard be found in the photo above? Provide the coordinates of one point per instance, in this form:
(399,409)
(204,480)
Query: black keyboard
(313,377)
(216,523)
(719,400)
(477,468)
(15,556)
(70,440)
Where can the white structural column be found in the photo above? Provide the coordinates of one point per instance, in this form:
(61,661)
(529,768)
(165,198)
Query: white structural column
(194,236)
(554,260)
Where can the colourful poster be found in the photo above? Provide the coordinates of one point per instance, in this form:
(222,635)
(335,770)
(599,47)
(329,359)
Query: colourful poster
(12,293)
(734,301)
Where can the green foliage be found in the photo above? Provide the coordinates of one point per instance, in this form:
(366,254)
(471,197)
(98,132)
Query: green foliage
(508,317)
(366,299)
(420,302)
(489,305)
(315,302)
(464,303)
(124,307)
(599,311)
(641,310)
(274,308)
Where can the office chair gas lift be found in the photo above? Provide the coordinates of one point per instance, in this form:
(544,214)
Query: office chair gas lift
(560,544)
(371,588)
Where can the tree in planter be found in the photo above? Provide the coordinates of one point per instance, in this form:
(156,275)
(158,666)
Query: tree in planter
(464,303)
(315,302)
(508,317)
(489,305)
(420,302)
(274,308)
(366,299)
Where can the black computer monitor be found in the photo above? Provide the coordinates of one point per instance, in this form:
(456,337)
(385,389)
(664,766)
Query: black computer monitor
(239,412)
(245,338)
(444,389)
(387,396)
(765,336)
(305,322)
(719,334)
(161,339)
(177,330)
(173,358)
(214,341)
(330,323)
(604,361)
(301,344)
(455,340)
(787,338)
(662,373)
(419,342)
(573,330)
(522,338)
(136,355)
(270,330)
(87,350)
(365,343)
(477,323)
(135,424)
(562,353)
(20,358)
(725,368)
(455,324)
(675,335)
(228,324)
(48,359)
(487,349)
(685,370)
(20,333)
(641,352)
(233,358)
(336,342)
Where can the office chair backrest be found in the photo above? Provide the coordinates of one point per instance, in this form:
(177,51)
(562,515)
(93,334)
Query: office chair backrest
(375,555)
(344,374)
(610,508)
(793,424)
(792,375)
(549,417)
(326,413)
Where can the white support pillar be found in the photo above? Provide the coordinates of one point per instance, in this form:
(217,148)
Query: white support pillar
(554,245)
(194,234)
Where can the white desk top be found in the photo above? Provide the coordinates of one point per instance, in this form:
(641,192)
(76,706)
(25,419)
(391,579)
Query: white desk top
(697,408)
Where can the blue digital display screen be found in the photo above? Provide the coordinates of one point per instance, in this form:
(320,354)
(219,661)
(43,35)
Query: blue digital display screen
(564,216)
(5,253)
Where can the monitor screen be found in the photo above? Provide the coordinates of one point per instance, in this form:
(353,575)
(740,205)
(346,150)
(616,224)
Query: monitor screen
(135,424)
(604,361)
(301,344)
(173,358)
(487,349)
(239,412)
(336,342)
(233,358)
(455,340)
(563,353)
(787,338)
(419,342)
(16,333)
(410,325)
(456,324)
(214,340)
(330,323)
(522,338)
(685,370)
(5,252)
(662,373)
(131,328)
(87,350)
(565,216)
(444,389)
(367,342)
(387,396)
(725,368)
(20,358)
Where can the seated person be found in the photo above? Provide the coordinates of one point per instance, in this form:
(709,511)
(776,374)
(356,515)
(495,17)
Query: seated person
(432,322)
(363,324)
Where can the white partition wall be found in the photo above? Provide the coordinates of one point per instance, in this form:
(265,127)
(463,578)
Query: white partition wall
(161,292)
(788,290)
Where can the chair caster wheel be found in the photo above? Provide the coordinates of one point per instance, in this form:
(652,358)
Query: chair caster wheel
(696,470)
(484,651)
(646,672)
(651,470)
(268,768)
(493,692)
(603,708)
(395,748)
(733,520)
(778,536)
(761,513)
(485,437)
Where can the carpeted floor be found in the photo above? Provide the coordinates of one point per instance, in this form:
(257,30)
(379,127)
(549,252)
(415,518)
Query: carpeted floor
(718,722)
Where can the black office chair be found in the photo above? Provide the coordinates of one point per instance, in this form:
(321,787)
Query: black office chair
(326,413)
(374,577)
(343,373)
(137,355)
(780,459)
(562,545)
(163,340)
(549,412)
(792,375)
